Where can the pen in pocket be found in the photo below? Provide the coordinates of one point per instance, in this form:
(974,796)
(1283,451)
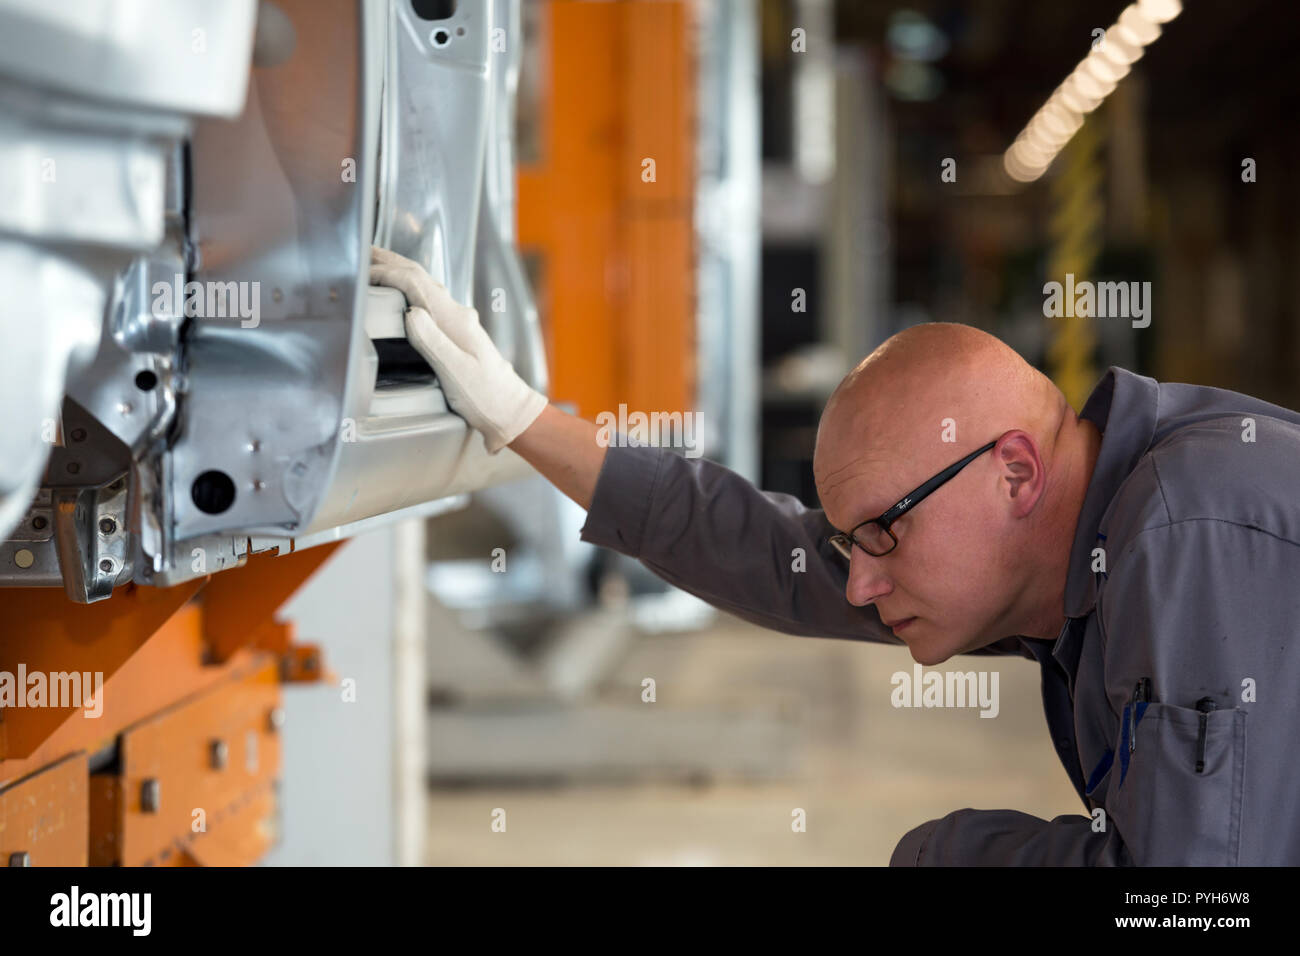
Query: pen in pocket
(1206,706)
(1141,694)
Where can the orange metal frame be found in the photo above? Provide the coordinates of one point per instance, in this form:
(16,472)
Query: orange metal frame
(617,292)
(191,678)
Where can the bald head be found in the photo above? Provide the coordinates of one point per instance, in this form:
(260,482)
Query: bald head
(923,400)
(933,385)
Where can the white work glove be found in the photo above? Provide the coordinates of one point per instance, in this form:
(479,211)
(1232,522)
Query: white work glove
(480,385)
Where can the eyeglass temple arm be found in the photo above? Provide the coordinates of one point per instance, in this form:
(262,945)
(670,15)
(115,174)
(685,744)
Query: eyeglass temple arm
(929,487)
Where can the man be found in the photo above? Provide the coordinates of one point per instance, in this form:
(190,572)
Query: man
(1146,553)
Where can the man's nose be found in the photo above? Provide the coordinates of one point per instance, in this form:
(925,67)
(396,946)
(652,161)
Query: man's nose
(867,579)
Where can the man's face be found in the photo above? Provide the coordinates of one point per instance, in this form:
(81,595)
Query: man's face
(947,586)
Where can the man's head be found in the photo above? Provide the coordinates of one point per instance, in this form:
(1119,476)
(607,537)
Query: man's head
(985,556)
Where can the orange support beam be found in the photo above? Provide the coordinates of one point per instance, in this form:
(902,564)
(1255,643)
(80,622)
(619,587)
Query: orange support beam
(179,677)
(46,633)
(609,207)
(239,605)
(188,772)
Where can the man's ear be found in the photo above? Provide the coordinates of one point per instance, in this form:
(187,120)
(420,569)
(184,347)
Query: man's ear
(1021,471)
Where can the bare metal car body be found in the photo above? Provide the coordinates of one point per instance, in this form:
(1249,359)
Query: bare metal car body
(192,362)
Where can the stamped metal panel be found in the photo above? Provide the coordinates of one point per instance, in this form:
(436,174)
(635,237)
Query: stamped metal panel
(167,55)
(95,93)
(436,110)
(277,208)
(445,199)
(505,300)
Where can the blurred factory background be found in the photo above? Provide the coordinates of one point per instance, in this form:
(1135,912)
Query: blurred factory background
(825,173)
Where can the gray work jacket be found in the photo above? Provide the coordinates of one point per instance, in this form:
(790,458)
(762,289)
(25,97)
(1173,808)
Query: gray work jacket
(1173,691)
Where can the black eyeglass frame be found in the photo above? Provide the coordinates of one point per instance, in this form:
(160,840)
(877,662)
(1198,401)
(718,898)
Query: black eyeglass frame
(843,543)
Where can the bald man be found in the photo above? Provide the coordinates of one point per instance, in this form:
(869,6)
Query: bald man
(1145,553)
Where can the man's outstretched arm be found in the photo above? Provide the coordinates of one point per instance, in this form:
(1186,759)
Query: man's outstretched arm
(764,557)
(760,555)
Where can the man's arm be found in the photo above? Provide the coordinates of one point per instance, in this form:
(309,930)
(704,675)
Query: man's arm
(564,450)
(761,556)
(1009,838)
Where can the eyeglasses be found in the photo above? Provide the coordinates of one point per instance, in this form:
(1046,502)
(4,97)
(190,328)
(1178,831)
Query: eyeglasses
(875,536)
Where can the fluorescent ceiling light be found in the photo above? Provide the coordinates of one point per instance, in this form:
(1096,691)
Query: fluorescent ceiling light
(1088,84)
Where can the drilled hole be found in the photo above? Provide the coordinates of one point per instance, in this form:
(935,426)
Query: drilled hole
(213,492)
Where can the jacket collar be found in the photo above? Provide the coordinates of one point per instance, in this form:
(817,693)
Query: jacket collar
(1125,408)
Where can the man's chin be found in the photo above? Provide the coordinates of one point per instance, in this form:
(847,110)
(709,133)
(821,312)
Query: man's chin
(928,658)
(931,649)
(928,651)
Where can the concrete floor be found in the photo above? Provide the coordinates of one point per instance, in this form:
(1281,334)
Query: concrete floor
(866,772)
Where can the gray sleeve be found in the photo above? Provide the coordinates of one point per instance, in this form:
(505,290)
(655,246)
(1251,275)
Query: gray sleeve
(1009,838)
(710,532)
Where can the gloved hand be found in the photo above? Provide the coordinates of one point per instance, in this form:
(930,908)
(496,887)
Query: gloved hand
(479,383)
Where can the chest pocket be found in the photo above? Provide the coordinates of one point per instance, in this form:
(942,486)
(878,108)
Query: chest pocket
(1166,812)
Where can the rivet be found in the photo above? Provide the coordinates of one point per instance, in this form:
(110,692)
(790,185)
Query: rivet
(150,795)
(218,754)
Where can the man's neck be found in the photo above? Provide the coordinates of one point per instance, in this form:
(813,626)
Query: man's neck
(1080,448)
